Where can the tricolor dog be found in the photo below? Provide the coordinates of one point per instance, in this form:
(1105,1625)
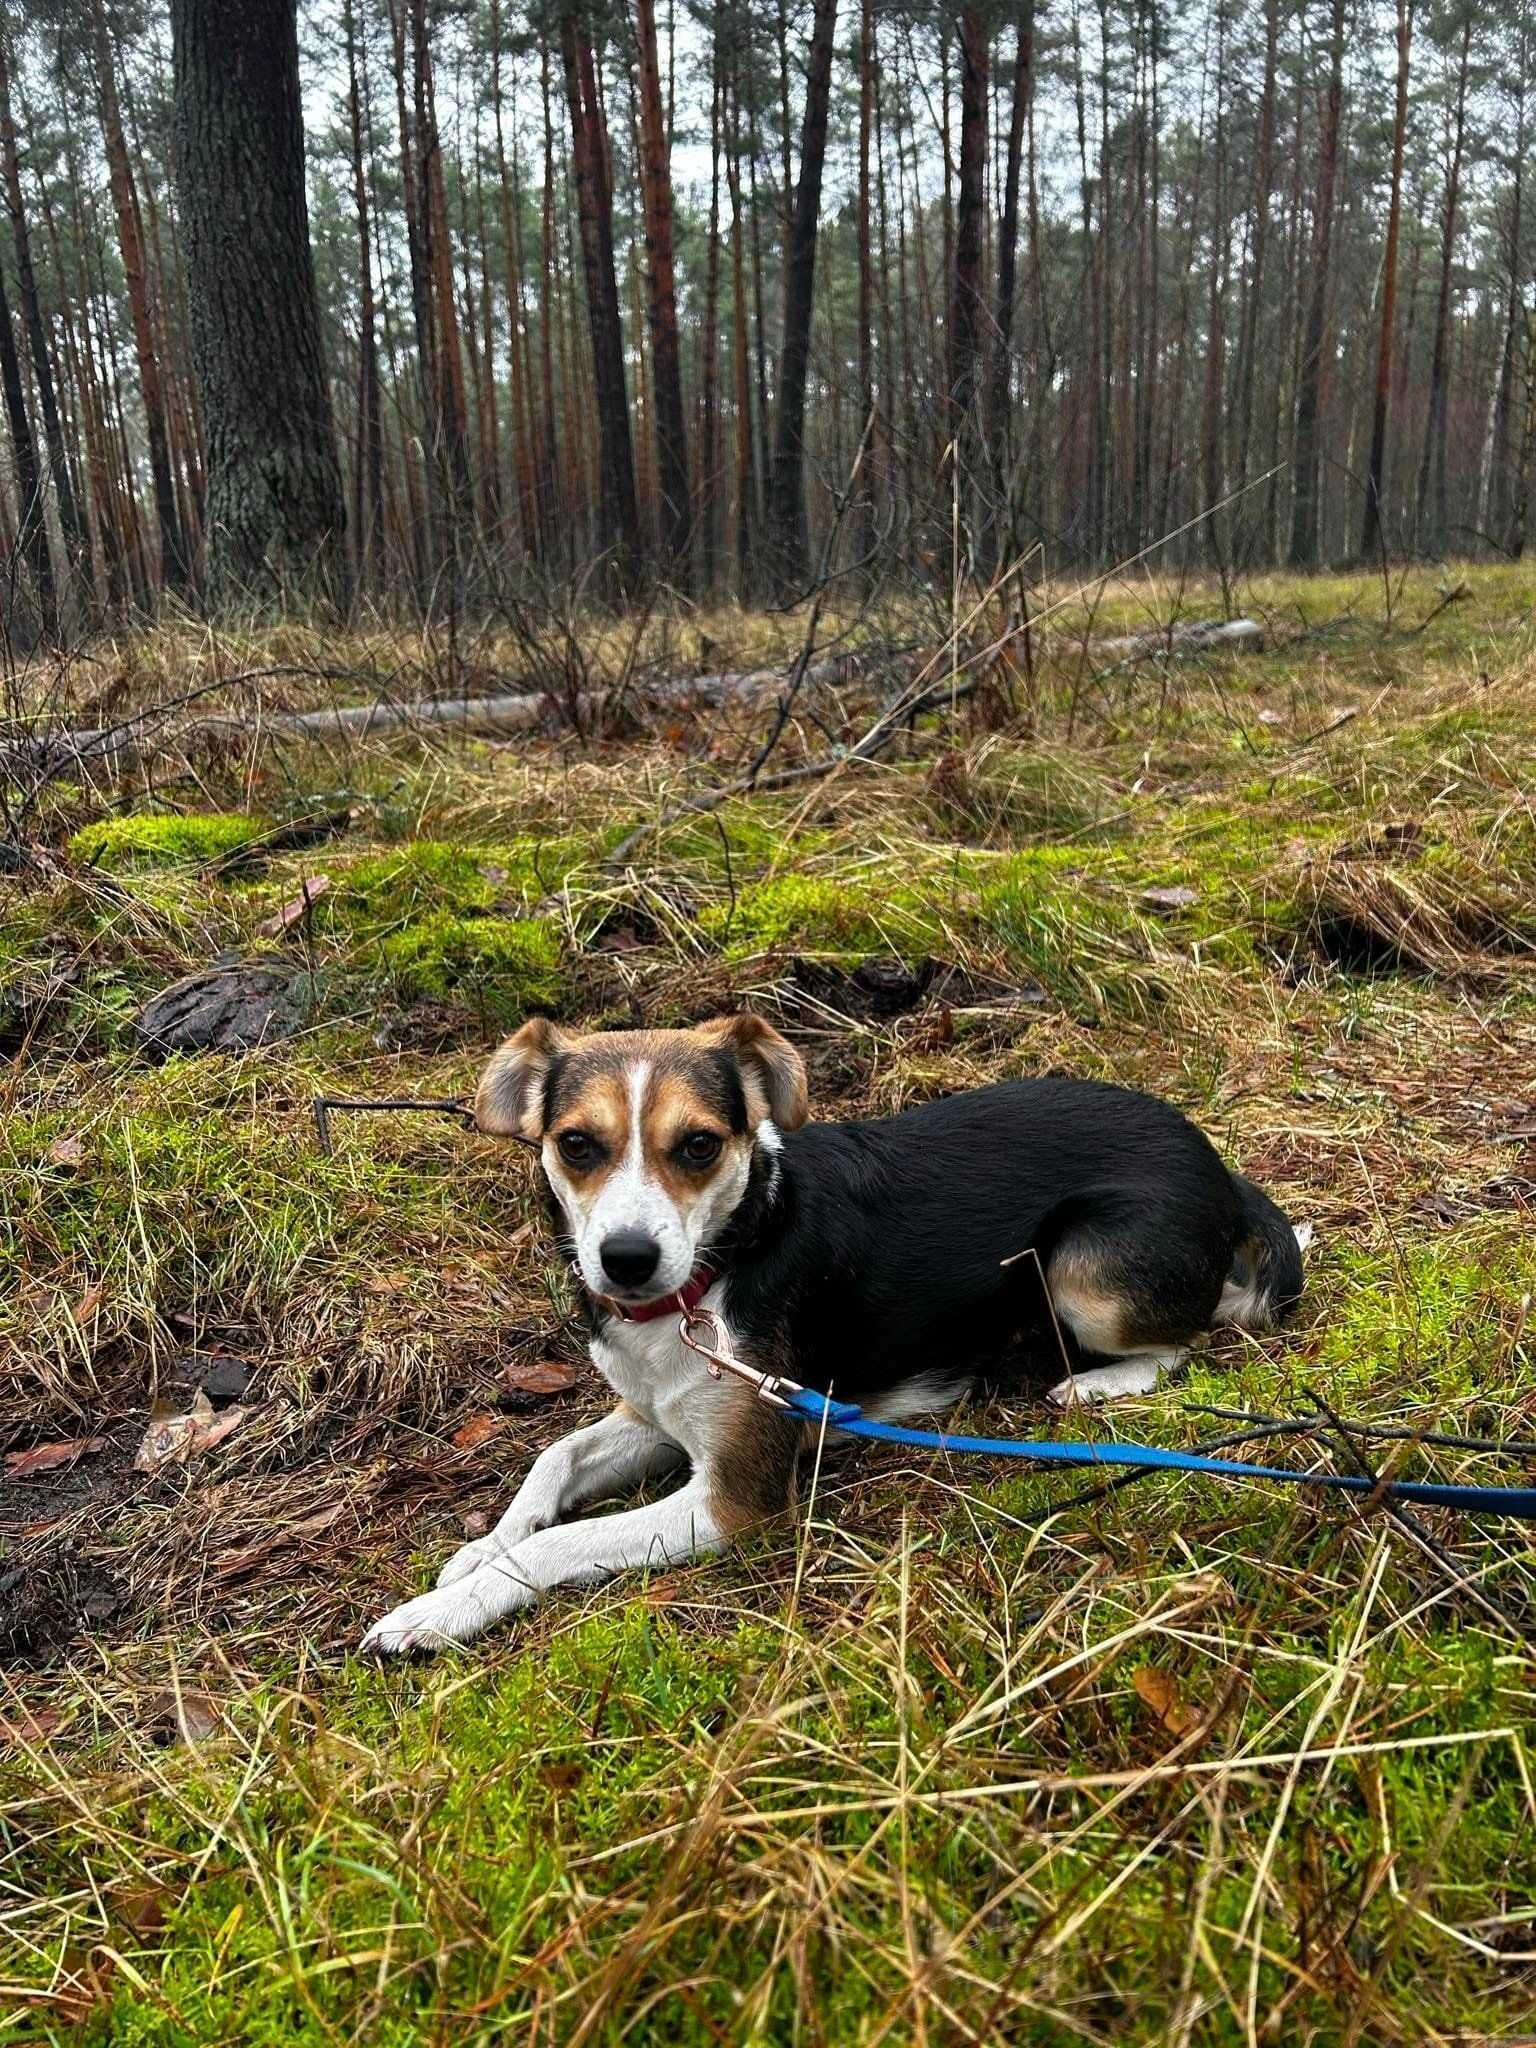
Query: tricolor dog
(877,1260)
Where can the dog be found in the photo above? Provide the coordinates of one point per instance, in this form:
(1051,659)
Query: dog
(879,1260)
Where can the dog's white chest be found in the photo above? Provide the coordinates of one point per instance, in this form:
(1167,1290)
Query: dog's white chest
(650,1367)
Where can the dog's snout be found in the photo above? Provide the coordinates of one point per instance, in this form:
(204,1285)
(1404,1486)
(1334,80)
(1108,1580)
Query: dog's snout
(629,1257)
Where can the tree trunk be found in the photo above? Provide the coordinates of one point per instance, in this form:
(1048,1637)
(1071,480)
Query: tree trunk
(661,307)
(618,511)
(1431,519)
(274,488)
(786,482)
(1304,498)
(174,567)
(966,308)
(1371,523)
(999,374)
(32,314)
(865,339)
(368,479)
(32,536)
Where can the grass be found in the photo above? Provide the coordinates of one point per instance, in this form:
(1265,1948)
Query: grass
(952,1756)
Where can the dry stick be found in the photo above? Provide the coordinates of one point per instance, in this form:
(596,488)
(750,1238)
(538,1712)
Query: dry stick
(823,578)
(1026,626)
(878,736)
(1412,1527)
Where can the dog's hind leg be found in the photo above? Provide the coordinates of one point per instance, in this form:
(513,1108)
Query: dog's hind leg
(1133,1292)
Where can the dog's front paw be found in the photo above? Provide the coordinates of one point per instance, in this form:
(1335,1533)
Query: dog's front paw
(469,1559)
(453,1614)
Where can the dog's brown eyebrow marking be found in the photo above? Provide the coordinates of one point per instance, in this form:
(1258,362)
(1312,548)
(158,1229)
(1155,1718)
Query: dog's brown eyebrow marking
(672,1056)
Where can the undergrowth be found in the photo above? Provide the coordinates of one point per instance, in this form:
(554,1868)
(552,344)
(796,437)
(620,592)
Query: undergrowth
(954,1754)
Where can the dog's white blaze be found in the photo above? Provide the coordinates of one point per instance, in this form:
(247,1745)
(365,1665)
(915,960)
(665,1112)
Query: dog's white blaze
(631,1198)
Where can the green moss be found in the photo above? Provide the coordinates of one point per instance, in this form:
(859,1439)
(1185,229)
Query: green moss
(384,891)
(816,914)
(154,839)
(504,965)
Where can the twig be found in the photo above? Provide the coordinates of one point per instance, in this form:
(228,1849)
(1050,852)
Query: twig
(325,1106)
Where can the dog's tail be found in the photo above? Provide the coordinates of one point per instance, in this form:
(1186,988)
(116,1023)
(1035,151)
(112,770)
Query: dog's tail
(1265,1282)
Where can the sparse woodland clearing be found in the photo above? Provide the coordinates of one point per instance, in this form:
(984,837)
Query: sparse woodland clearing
(959,1755)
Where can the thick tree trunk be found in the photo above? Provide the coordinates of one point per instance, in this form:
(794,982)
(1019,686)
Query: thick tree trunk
(274,487)
(661,307)
(786,482)
(1375,483)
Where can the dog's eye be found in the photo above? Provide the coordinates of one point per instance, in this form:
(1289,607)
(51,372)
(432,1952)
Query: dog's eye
(699,1148)
(577,1149)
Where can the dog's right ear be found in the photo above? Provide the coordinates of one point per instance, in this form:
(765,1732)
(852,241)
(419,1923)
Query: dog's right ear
(509,1101)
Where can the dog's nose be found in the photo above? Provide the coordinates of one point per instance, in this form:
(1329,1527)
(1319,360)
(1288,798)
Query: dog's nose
(629,1257)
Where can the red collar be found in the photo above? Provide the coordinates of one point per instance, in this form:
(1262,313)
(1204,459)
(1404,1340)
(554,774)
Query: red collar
(682,1303)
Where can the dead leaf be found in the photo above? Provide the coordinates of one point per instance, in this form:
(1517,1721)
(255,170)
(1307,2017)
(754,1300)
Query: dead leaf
(83,1984)
(29,1725)
(477,1429)
(193,1716)
(88,1304)
(1159,1690)
(296,909)
(541,1380)
(141,1910)
(66,1152)
(173,1439)
(51,1457)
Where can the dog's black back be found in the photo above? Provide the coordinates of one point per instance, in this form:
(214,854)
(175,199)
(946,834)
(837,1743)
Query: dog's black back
(919,1245)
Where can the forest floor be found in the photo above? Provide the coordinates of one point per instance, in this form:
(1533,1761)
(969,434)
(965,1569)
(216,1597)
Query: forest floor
(954,1755)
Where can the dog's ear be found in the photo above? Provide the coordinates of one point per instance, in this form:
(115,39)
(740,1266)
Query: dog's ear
(773,1071)
(509,1099)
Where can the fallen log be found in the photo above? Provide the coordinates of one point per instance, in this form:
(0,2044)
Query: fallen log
(119,749)
(1206,636)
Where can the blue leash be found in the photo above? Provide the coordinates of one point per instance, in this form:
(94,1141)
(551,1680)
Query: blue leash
(852,1421)
(824,1413)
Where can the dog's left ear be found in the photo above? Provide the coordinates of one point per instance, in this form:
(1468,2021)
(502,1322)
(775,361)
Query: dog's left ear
(772,1069)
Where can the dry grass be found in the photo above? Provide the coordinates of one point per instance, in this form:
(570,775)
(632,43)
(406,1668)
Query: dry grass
(951,1758)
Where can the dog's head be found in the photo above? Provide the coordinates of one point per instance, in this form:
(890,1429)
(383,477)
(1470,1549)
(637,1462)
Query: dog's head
(647,1137)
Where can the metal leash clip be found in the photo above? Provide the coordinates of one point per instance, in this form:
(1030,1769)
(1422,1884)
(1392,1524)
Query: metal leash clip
(719,1358)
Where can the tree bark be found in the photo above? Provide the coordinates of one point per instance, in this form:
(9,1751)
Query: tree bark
(174,566)
(1000,370)
(32,528)
(1371,523)
(274,487)
(786,482)
(1431,518)
(661,306)
(1304,499)
(618,510)
(966,313)
(32,314)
